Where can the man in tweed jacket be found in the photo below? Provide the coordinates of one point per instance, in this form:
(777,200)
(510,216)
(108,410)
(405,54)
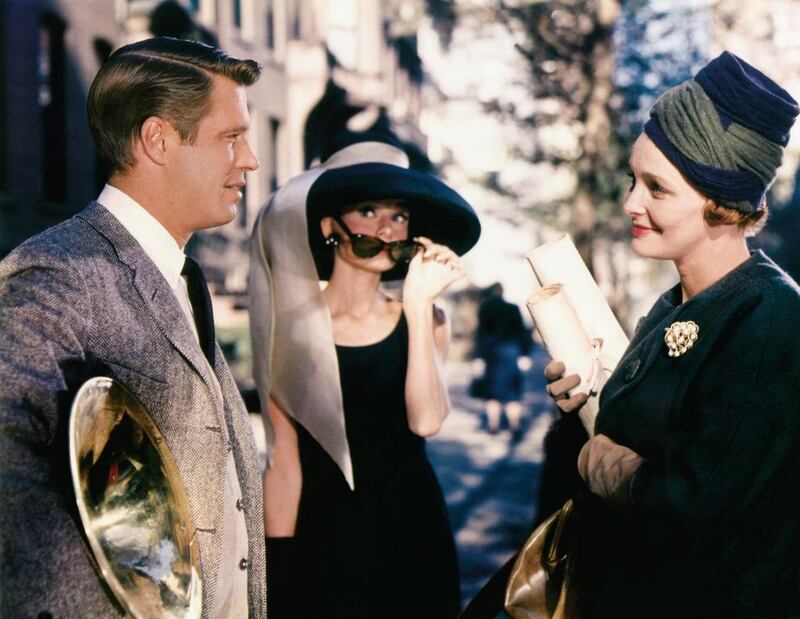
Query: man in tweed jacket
(102,294)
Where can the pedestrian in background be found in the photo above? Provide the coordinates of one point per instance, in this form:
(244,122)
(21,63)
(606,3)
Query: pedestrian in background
(501,341)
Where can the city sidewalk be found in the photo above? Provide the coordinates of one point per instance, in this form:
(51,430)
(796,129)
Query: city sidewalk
(490,481)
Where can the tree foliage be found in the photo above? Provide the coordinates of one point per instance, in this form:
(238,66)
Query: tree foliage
(593,69)
(764,34)
(658,45)
(568,46)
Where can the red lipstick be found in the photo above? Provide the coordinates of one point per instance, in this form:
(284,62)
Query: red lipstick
(638,230)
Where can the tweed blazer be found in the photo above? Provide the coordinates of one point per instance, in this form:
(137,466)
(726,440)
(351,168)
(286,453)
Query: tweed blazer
(80,300)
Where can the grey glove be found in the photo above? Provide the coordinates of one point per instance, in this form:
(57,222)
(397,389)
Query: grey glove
(608,468)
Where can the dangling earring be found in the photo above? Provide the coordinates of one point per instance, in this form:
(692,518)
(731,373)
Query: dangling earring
(332,240)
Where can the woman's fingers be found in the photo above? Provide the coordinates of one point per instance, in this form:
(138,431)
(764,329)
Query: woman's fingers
(441,255)
(434,251)
(560,388)
(424,240)
(554,370)
(571,404)
(432,271)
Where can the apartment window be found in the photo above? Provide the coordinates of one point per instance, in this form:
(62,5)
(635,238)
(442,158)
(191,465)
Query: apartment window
(52,108)
(244,18)
(237,13)
(269,33)
(295,23)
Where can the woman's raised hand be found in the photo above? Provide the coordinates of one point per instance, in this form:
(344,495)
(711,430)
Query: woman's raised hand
(430,272)
(559,386)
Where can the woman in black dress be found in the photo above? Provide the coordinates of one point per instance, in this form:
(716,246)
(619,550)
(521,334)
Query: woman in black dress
(689,506)
(355,520)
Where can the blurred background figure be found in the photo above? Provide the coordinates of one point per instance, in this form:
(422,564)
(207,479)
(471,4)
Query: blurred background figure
(171,19)
(503,342)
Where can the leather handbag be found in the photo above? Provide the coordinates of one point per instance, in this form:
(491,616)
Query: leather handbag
(539,586)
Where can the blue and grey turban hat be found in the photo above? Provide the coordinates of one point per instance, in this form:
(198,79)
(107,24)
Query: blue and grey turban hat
(725,130)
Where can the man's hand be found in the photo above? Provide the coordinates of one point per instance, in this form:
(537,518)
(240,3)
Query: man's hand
(608,468)
(559,386)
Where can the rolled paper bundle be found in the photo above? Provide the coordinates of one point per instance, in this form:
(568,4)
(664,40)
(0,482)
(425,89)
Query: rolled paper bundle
(566,340)
(558,262)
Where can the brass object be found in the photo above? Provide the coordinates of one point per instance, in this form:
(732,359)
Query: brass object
(132,503)
(539,586)
(680,337)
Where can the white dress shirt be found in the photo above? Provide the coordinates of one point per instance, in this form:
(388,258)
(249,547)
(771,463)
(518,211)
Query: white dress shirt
(159,245)
(230,599)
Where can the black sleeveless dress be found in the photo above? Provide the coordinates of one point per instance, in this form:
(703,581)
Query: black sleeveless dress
(385,549)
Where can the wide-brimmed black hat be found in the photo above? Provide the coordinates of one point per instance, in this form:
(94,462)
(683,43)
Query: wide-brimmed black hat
(436,210)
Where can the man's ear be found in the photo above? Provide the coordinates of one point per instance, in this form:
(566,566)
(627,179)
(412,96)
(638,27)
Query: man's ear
(154,138)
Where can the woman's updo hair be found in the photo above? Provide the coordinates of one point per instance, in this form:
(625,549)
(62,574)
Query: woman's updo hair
(752,223)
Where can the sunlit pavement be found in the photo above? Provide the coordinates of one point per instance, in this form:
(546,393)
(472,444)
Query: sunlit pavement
(490,481)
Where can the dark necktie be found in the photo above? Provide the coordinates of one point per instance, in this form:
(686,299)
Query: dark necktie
(201,306)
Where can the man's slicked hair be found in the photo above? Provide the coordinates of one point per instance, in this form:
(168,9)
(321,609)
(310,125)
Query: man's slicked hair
(164,77)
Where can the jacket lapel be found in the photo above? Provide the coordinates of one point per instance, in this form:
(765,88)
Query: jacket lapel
(641,354)
(156,295)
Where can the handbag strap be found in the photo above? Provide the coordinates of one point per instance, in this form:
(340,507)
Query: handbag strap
(556,547)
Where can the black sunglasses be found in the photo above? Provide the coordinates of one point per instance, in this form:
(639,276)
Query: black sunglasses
(369,246)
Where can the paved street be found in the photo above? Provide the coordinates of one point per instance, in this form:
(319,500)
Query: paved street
(490,481)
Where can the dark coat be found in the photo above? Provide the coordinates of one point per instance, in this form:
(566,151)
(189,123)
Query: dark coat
(501,321)
(501,338)
(714,525)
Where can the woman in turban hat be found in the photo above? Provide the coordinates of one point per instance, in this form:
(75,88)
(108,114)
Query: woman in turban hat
(689,506)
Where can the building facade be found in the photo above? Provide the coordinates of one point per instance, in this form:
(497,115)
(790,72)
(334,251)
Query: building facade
(328,66)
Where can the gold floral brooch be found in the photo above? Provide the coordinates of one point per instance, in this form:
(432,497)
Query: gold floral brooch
(680,337)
